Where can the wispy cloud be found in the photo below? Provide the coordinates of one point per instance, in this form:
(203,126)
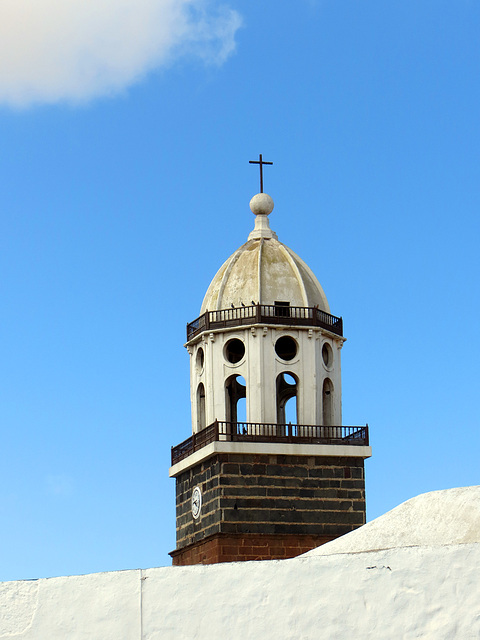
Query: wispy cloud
(75,50)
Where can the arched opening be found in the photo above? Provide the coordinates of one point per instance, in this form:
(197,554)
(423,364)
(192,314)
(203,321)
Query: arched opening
(287,410)
(201,407)
(236,399)
(327,401)
(242,407)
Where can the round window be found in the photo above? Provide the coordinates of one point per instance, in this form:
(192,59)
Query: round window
(327,355)
(286,348)
(234,350)
(200,360)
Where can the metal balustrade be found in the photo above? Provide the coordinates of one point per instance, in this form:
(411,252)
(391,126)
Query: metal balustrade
(265,314)
(221,431)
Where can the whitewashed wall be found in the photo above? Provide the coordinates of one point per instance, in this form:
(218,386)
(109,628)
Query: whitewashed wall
(398,593)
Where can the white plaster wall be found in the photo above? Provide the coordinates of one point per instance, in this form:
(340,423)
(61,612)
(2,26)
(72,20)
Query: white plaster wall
(103,606)
(420,592)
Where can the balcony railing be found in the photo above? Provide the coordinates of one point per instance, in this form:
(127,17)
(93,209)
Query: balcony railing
(265,314)
(259,432)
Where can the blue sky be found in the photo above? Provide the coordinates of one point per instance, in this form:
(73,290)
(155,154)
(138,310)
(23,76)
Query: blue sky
(125,185)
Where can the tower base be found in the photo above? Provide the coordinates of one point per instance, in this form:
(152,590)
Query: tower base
(247,546)
(258,506)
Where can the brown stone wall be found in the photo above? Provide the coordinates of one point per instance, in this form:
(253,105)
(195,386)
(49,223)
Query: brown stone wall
(275,495)
(236,548)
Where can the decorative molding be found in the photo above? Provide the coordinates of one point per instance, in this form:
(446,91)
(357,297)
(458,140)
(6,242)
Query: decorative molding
(269,448)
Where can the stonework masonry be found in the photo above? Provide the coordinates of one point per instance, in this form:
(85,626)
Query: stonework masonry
(266,506)
(247,546)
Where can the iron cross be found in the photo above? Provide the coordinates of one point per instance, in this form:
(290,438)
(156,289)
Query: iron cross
(261,162)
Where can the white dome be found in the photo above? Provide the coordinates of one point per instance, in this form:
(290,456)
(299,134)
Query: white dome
(264,271)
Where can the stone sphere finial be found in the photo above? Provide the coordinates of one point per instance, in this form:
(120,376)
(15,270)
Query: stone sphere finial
(261,204)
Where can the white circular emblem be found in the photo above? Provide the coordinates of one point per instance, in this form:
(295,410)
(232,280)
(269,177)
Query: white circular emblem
(196,502)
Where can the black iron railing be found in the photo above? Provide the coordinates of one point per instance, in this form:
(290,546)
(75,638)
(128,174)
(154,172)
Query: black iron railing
(260,432)
(265,314)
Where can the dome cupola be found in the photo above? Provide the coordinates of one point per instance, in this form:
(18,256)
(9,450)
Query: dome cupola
(264,271)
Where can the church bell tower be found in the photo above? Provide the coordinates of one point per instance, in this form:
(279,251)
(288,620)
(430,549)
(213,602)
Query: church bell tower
(269,472)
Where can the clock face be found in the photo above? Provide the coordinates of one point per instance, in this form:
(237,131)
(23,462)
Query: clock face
(196,502)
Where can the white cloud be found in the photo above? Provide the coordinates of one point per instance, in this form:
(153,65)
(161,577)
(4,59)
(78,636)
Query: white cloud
(75,50)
